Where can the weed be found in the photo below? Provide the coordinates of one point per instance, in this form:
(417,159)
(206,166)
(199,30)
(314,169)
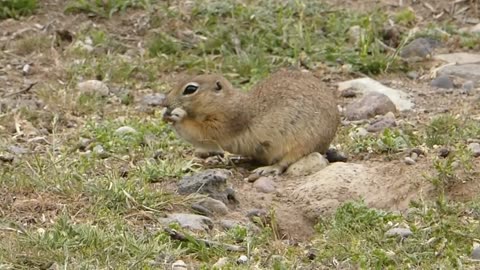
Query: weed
(31,44)
(104,8)
(405,17)
(355,237)
(247,41)
(16,8)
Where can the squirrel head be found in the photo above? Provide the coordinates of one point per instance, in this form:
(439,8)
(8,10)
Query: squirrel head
(200,96)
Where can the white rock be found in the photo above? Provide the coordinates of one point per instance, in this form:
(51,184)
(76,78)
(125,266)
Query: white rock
(358,133)
(399,98)
(308,165)
(189,221)
(125,130)
(242,259)
(403,232)
(409,161)
(264,185)
(475,29)
(93,86)
(26,69)
(220,263)
(179,265)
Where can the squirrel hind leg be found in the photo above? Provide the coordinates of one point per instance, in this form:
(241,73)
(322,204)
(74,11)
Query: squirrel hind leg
(279,167)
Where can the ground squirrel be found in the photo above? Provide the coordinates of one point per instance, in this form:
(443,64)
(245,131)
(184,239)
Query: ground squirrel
(280,120)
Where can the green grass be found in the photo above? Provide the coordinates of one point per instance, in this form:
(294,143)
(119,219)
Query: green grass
(104,9)
(17,8)
(68,206)
(247,41)
(355,237)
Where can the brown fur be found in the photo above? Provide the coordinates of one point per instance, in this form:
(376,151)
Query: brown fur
(280,120)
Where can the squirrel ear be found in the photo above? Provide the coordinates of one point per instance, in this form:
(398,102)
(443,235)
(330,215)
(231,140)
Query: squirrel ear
(218,86)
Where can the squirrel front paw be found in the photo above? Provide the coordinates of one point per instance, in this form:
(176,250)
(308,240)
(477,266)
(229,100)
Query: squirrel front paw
(173,116)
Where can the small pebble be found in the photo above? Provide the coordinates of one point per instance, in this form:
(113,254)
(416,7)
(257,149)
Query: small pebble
(475,149)
(221,263)
(412,75)
(409,161)
(253,177)
(359,132)
(403,232)
(179,265)
(26,70)
(312,254)
(443,152)
(6,158)
(242,259)
(476,253)
(100,151)
(442,82)
(264,185)
(16,150)
(348,93)
(467,87)
(154,100)
(125,130)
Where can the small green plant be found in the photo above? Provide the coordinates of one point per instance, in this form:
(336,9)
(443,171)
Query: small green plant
(442,130)
(104,8)
(16,8)
(405,17)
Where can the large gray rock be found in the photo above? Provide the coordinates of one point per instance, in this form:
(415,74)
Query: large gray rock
(322,193)
(370,105)
(367,85)
(459,58)
(189,221)
(465,71)
(419,48)
(209,182)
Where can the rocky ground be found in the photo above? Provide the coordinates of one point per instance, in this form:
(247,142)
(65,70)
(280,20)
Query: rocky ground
(92,178)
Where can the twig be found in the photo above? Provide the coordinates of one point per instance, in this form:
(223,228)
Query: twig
(180,237)
(26,89)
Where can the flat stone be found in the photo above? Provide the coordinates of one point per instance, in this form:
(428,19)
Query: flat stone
(215,206)
(189,221)
(93,87)
(264,185)
(465,71)
(370,105)
(210,182)
(459,58)
(153,100)
(419,48)
(307,165)
(476,253)
(366,85)
(402,232)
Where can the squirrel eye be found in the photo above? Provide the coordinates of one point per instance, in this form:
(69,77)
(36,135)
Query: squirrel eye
(190,89)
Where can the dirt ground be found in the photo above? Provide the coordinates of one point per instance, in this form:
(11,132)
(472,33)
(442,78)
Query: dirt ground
(403,182)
